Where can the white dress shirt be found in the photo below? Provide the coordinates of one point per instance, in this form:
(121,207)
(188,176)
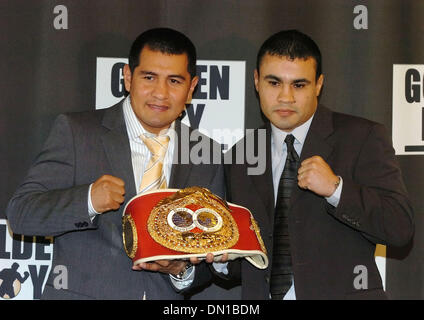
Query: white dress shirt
(140,154)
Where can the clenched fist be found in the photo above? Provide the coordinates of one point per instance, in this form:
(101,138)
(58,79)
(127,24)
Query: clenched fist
(316,175)
(107,193)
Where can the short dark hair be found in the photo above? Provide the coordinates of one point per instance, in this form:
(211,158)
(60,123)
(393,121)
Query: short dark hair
(167,41)
(293,44)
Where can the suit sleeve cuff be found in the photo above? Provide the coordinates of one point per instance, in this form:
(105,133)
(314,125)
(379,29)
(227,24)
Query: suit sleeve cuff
(335,197)
(91,212)
(221,267)
(186,281)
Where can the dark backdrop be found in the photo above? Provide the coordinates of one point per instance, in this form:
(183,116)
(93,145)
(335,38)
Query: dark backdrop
(47,71)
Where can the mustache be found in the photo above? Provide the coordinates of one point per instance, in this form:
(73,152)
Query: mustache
(284,108)
(158,104)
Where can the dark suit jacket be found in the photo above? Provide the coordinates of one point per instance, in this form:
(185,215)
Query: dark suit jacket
(52,201)
(328,243)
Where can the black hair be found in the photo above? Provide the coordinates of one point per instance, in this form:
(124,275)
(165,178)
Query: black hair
(167,41)
(292,44)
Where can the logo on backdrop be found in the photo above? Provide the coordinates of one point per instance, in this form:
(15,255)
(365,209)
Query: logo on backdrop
(25,263)
(408,109)
(10,281)
(217,107)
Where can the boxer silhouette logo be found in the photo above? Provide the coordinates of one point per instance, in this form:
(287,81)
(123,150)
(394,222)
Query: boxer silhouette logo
(11,281)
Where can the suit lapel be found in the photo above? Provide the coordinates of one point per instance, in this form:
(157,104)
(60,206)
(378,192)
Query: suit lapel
(117,148)
(316,143)
(264,183)
(180,171)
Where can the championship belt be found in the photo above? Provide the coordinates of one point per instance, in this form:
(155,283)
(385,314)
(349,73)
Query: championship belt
(179,224)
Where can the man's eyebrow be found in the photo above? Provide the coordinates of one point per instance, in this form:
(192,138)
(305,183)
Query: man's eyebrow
(146,72)
(301,80)
(276,78)
(143,72)
(179,76)
(272,77)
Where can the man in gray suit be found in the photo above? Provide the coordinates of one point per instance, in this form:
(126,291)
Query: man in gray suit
(93,163)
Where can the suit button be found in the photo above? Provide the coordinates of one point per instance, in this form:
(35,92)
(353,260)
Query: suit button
(267,278)
(81,224)
(347,218)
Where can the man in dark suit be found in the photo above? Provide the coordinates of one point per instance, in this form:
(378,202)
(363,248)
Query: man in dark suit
(330,190)
(94,162)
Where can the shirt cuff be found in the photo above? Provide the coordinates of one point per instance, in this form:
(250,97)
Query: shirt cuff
(335,197)
(91,212)
(186,281)
(221,267)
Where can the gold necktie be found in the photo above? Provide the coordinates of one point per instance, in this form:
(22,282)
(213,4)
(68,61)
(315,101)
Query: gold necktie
(153,178)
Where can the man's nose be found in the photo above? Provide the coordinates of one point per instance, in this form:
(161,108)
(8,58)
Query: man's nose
(286,94)
(160,90)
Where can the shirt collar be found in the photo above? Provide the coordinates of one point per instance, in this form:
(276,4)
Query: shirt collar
(299,133)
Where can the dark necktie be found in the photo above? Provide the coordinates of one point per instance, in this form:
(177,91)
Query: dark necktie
(281,272)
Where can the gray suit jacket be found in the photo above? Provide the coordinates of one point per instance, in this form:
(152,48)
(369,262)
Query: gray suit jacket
(52,201)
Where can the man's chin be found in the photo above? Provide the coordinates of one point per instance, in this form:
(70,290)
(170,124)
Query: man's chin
(159,128)
(283,125)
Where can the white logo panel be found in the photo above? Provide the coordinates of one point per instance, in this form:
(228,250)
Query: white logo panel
(408,111)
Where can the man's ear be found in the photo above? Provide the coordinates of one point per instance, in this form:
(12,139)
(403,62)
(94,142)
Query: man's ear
(320,82)
(193,85)
(127,77)
(256,77)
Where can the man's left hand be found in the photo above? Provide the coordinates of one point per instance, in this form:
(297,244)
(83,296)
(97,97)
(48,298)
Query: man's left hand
(175,266)
(316,175)
(209,259)
(165,266)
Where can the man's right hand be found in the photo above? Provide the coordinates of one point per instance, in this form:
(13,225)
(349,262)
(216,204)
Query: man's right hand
(107,193)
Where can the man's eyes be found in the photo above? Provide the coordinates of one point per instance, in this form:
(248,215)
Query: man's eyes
(152,77)
(175,81)
(296,85)
(274,83)
(299,85)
